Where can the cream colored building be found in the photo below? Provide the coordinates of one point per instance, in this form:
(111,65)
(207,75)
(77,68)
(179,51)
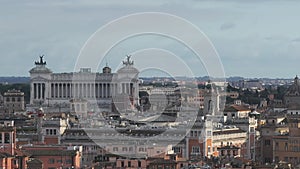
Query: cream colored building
(48,88)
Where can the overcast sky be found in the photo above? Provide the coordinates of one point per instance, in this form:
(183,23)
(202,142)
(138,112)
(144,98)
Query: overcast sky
(254,38)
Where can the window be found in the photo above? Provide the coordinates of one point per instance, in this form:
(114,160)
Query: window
(129,163)
(47,131)
(68,161)
(115,149)
(286,159)
(124,148)
(82,107)
(54,132)
(72,107)
(77,107)
(0,137)
(208,149)
(139,164)
(286,146)
(195,150)
(295,148)
(122,163)
(141,149)
(267,142)
(176,149)
(276,145)
(6,138)
(192,133)
(130,149)
(51,161)
(268,160)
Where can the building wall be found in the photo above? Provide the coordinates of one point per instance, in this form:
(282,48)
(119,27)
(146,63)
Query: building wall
(14,101)
(266,147)
(6,163)
(35,165)
(287,147)
(237,139)
(51,140)
(56,161)
(8,139)
(291,100)
(131,164)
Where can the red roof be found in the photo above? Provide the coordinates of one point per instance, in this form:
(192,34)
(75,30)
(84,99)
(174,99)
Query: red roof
(235,108)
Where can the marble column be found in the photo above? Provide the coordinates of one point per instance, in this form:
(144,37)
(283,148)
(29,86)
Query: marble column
(42,90)
(31,93)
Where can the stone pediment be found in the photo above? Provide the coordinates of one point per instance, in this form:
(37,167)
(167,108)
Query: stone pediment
(39,78)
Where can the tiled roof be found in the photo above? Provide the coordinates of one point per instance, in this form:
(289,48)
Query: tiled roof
(21,153)
(162,161)
(34,161)
(235,108)
(35,153)
(5,155)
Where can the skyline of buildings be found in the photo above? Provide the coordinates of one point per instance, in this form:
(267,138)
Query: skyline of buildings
(152,129)
(149,85)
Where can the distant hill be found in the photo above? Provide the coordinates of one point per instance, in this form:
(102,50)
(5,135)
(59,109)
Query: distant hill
(13,80)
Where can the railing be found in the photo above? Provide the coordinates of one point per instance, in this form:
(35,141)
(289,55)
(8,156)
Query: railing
(229,136)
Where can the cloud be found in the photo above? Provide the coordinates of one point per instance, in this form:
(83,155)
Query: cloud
(226,26)
(58,29)
(276,38)
(296,39)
